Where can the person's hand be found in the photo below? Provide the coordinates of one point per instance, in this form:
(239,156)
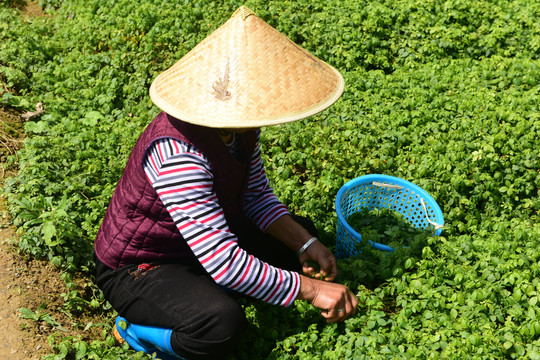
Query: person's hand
(321,255)
(336,301)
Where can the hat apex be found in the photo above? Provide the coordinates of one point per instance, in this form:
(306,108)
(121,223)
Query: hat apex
(243,12)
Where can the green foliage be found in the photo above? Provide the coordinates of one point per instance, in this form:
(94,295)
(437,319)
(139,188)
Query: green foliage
(40,315)
(71,347)
(14,101)
(440,93)
(385,226)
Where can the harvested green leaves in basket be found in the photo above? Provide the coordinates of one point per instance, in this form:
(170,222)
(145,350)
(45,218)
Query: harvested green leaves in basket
(385,226)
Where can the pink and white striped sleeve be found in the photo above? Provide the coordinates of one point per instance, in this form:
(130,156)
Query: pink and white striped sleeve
(260,203)
(183,179)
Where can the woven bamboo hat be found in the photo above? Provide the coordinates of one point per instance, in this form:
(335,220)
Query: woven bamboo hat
(246,74)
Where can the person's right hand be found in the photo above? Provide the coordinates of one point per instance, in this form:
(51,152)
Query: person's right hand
(320,254)
(335,300)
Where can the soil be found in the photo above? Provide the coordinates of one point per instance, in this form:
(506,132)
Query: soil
(26,282)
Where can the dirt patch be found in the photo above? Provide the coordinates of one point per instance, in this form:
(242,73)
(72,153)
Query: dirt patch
(23,282)
(31,9)
(32,306)
(28,9)
(11,140)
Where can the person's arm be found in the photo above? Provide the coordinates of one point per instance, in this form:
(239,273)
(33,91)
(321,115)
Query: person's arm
(335,300)
(265,210)
(327,296)
(183,180)
(295,236)
(261,205)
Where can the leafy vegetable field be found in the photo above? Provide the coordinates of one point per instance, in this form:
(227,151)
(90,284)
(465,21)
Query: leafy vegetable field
(445,94)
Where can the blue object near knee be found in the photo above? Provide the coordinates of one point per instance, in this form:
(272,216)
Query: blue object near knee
(149,339)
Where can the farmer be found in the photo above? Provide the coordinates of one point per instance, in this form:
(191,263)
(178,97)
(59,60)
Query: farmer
(193,220)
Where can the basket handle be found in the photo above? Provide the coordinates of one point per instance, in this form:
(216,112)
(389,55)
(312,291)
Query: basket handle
(435,225)
(391,186)
(399,187)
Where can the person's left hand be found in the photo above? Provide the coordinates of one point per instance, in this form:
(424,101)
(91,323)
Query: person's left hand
(321,255)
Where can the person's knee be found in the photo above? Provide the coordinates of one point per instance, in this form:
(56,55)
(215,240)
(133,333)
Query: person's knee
(229,320)
(213,337)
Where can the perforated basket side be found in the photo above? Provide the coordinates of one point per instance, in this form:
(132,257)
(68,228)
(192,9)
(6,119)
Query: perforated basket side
(382,191)
(345,244)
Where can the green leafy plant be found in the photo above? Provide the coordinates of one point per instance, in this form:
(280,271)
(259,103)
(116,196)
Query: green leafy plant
(40,315)
(15,101)
(443,94)
(385,226)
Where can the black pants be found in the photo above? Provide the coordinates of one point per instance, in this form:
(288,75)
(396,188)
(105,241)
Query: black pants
(206,320)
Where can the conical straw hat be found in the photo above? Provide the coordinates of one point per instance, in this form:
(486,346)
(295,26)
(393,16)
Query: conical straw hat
(246,74)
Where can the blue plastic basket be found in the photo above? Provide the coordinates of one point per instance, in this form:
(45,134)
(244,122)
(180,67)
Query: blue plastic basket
(382,191)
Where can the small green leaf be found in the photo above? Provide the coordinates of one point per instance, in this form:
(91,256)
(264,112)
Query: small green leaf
(49,231)
(409,263)
(28,314)
(81,351)
(92,118)
(57,261)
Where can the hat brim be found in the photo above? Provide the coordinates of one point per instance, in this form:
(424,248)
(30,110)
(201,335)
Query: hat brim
(244,75)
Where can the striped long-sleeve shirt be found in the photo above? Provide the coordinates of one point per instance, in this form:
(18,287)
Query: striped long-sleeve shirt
(183,179)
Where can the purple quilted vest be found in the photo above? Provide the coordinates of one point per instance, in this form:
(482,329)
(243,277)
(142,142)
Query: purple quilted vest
(137,227)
